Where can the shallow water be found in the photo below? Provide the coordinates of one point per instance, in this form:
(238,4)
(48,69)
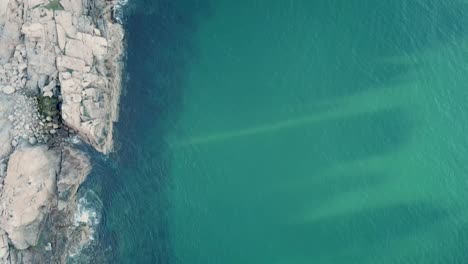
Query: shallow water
(290,132)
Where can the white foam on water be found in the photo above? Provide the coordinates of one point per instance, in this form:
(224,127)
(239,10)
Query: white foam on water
(118,10)
(74,140)
(88,212)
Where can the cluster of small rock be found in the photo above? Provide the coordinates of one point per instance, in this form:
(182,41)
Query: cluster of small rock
(29,125)
(13,73)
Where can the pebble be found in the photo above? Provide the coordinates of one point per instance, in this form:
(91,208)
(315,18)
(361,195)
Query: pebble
(8,89)
(48,247)
(52,131)
(32,140)
(48,94)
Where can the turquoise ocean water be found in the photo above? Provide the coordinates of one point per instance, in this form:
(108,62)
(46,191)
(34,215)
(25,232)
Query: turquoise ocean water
(305,131)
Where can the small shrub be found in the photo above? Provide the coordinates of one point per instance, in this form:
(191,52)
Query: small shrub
(48,106)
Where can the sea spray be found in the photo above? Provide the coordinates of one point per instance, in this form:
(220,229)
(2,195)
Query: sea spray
(119,10)
(89,214)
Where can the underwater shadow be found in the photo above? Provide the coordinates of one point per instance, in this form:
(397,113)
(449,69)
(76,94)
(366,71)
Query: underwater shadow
(377,229)
(381,41)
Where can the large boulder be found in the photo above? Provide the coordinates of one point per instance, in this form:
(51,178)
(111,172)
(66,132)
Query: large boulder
(69,63)
(97,44)
(3,9)
(33,31)
(5,126)
(29,189)
(65,19)
(75,167)
(11,33)
(77,49)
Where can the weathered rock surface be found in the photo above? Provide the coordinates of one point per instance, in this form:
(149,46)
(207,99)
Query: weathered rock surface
(59,74)
(5,127)
(75,167)
(91,112)
(3,10)
(59,42)
(11,32)
(4,248)
(28,193)
(54,220)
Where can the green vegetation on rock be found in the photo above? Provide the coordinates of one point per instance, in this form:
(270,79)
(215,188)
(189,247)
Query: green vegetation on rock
(48,106)
(54,5)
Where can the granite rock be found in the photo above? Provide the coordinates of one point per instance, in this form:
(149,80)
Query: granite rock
(29,189)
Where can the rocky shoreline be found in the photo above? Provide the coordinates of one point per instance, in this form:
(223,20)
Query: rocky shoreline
(60,77)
